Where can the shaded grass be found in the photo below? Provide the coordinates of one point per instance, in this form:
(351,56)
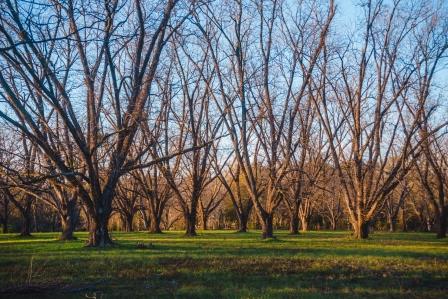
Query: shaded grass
(224,264)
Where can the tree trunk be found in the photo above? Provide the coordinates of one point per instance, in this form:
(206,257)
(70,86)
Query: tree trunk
(69,220)
(304,226)
(428,225)
(99,233)
(304,221)
(5,226)
(68,228)
(392,223)
(333,223)
(204,221)
(5,216)
(294,224)
(154,225)
(404,227)
(127,221)
(242,222)
(27,224)
(267,226)
(361,229)
(190,222)
(442,223)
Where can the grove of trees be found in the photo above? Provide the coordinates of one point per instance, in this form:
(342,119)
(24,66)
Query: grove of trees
(213,114)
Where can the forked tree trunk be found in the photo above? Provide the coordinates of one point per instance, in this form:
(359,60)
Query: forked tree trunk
(267,226)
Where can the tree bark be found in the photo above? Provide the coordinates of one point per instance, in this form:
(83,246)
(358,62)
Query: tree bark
(361,229)
(442,223)
(27,222)
(5,216)
(243,218)
(5,226)
(267,226)
(294,224)
(69,220)
(99,233)
(333,225)
(392,223)
(204,221)
(154,225)
(190,222)
(68,228)
(304,221)
(127,221)
(404,227)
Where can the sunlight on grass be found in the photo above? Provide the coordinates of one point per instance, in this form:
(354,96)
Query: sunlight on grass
(229,265)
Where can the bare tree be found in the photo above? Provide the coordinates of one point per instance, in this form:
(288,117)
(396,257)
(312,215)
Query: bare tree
(155,194)
(189,122)
(254,50)
(126,201)
(432,39)
(92,75)
(394,202)
(232,180)
(210,200)
(368,91)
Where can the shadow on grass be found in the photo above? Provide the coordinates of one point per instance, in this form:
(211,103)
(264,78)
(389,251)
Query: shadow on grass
(176,281)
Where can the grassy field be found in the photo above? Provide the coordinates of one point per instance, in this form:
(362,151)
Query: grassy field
(224,264)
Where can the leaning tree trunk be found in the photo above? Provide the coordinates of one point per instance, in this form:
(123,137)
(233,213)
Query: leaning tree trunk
(442,223)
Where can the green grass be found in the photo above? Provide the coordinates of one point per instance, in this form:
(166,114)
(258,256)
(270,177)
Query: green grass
(223,264)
